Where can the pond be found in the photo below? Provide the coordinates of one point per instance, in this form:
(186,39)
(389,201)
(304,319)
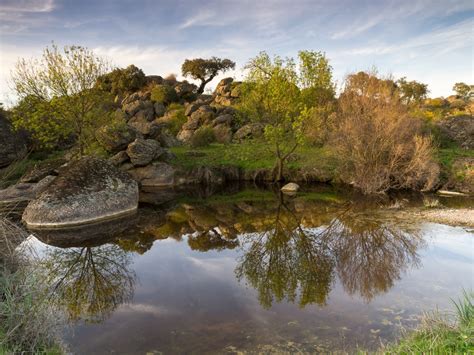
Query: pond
(251,270)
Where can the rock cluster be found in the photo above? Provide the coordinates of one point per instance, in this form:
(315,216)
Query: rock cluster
(214,111)
(460,129)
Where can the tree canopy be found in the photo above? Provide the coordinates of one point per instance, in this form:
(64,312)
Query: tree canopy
(58,97)
(120,81)
(464,91)
(205,69)
(412,91)
(272,96)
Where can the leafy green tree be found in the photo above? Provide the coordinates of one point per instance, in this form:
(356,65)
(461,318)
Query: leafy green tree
(60,94)
(464,91)
(272,95)
(412,92)
(120,81)
(205,69)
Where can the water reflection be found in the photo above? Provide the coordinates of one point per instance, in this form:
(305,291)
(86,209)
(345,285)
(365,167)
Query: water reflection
(289,249)
(89,282)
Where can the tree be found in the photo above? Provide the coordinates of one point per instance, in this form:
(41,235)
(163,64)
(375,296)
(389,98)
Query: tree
(120,81)
(464,91)
(380,146)
(205,69)
(412,91)
(272,96)
(59,90)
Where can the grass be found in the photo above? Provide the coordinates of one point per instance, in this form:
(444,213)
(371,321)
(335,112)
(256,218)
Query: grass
(250,155)
(438,335)
(447,156)
(28,322)
(16,170)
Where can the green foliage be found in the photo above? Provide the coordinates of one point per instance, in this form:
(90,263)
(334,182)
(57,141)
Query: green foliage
(205,69)
(16,170)
(58,97)
(464,91)
(202,137)
(412,92)
(164,94)
(315,71)
(271,95)
(176,118)
(251,155)
(122,80)
(43,120)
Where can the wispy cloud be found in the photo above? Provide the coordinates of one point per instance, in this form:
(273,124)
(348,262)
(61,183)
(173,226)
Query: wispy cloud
(439,41)
(202,18)
(18,6)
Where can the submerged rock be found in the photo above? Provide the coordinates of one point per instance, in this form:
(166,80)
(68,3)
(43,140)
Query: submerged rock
(88,191)
(290,188)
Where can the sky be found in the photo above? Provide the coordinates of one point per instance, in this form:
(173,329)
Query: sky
(427,41)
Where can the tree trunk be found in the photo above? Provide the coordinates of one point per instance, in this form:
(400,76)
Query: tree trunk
(278,170)
(201,87)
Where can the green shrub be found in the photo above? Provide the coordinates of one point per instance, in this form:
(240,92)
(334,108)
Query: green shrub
(176,118)
(120,81)
(164,93)
(203,137)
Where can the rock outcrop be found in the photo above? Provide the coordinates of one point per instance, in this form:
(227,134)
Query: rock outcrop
(15,198)
(460,129)
(88,191)
(214,111)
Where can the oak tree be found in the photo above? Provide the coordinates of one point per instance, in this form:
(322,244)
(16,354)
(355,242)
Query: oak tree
(205,69)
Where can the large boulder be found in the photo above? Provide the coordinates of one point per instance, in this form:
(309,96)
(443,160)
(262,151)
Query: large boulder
(223,133)
(12,145)
(115,138)
(204,114)
(251,130)
(157,174)
(88,191)
(143,151)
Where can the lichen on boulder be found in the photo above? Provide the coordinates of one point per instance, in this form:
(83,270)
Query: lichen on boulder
(89,190)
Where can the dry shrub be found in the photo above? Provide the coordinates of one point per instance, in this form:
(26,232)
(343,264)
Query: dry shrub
(379,145)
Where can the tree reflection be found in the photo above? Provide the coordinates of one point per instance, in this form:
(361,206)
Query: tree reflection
(280,261)
(291,262)
(212,239)
(371,255)
(89,281)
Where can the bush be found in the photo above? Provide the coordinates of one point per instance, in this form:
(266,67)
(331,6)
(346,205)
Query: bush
(120,81)
(164,94)
(380,146)
(203,137)
(176,118)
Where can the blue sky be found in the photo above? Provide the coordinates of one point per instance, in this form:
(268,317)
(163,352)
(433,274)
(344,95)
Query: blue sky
(429,41)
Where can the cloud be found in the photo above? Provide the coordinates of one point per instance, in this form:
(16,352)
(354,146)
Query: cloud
(18,6)
(394,13)
(202,18)
(439,41)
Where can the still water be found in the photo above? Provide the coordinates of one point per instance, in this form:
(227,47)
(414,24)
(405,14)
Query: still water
(255,271)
